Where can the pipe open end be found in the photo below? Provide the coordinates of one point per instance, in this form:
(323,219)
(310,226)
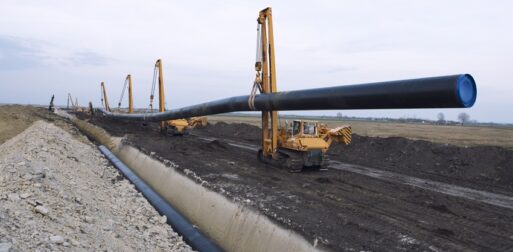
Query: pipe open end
(466,90)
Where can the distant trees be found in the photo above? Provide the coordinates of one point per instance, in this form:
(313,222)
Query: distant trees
(339,115)
(440,117)
(463,118)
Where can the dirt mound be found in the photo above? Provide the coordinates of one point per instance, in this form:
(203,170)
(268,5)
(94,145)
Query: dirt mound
(486,167)
(216,144)
(489,166)
(122,128)
(240,131)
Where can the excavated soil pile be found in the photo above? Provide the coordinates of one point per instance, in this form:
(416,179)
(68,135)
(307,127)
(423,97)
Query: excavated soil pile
(481,167)
(58,193)
(237,131)
(342,210)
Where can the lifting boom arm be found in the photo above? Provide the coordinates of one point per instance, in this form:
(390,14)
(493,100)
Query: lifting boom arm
(128,82)
(176,126)
(265,67)
(158,65)
(130,95)
(104,97)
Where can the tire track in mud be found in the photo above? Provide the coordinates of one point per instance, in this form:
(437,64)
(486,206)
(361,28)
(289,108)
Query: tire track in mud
(452,190)
(383,212)
(417,219)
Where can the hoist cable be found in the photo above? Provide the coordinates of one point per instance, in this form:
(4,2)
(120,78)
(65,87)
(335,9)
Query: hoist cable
(122,93)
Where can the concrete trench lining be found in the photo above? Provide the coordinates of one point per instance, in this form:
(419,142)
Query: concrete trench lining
(232,226)
(191,235)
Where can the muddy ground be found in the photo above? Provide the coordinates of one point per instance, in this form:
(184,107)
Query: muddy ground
(346,211)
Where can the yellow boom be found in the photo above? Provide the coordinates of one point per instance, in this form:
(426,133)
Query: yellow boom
(104,97)
(130,97)
(265,67)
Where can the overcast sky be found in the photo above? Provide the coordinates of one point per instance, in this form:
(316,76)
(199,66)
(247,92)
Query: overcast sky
(208,49)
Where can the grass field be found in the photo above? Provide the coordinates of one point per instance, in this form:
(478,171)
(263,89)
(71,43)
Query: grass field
(457,135)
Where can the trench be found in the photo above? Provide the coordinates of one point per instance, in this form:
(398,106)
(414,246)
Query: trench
(231,225)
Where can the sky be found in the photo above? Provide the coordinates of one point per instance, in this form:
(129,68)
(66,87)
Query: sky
(208,49)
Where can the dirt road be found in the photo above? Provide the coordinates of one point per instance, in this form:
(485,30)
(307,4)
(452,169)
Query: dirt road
(344,210)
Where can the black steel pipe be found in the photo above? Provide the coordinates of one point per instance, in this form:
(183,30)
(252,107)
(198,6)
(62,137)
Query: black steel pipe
(455,91)
(191,235)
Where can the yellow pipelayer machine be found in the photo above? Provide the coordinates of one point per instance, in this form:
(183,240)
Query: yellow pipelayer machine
(176,127)
(297,145)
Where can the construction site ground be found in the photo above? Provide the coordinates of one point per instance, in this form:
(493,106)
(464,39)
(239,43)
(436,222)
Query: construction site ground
(379,194)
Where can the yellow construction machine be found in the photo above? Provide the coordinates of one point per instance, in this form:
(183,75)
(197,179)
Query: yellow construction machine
(197,121)
(174,127)
(297,145)
(105,101)
(74,105)
(127,84)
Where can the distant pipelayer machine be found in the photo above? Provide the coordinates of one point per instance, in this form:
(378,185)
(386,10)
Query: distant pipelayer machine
(454,91)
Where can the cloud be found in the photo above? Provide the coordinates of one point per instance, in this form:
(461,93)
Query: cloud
(336,69)
(209,49)
(88,58)
(20,53)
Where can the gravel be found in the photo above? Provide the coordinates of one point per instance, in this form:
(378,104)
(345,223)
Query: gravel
(58,193)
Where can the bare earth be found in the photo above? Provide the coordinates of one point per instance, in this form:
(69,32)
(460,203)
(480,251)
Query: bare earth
(58,193)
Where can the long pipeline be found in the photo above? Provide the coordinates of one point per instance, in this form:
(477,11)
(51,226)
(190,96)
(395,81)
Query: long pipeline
(196,239)
(454,91)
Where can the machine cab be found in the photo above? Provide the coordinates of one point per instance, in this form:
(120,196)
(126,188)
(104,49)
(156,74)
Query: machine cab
(302,128)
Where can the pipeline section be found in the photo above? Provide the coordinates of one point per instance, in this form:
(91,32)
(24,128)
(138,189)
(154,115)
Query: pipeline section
(192,236)
(454,91)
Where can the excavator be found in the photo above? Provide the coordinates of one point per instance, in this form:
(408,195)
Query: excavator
(297,145)
(176,127)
